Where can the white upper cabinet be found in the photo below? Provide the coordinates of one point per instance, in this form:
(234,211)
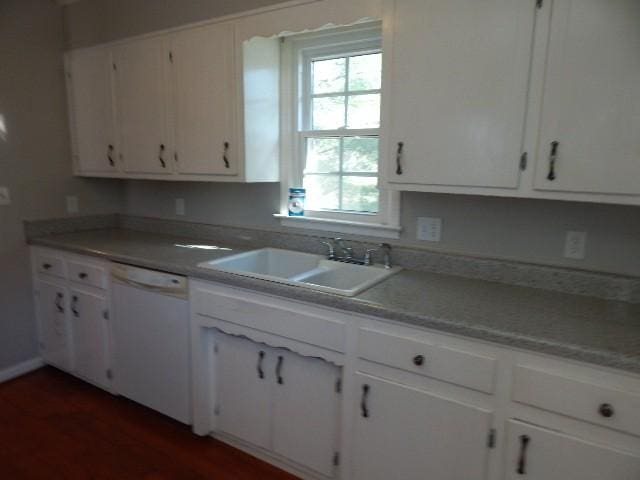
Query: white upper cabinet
(141,69)
(591,100)
(203,89)
(90,76)
(456,91)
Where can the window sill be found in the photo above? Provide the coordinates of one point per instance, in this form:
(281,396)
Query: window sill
(341,226)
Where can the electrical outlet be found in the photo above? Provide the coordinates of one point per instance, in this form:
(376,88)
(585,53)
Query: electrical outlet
(575,245)
(5,196)
(72,204)
(180,206)
(429,229)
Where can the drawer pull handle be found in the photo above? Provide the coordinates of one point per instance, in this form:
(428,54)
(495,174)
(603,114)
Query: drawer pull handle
(259,367)
(161,156)
(59,306)
(82,275)
(225,155)
(606,410)
(418,360)
(363,401)
(279,370)
(553,158)
(522,458)
(46,266)
(74,306)
(399,153)
(110,155)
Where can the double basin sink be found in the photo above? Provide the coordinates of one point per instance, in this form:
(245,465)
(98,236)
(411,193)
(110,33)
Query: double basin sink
(303,269)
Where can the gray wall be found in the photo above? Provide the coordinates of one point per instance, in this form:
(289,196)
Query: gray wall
(527,230)
(35,162)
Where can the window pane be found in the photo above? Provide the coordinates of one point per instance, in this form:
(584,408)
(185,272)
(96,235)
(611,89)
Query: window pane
(329,75)
(365,72)
(360,194)
(328,113)
(323,155)
(322,192)
(360,154)
(364,111)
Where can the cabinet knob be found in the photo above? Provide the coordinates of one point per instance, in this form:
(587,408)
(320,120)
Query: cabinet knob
(418,360)
(606,410)
(46,266)
(82,275)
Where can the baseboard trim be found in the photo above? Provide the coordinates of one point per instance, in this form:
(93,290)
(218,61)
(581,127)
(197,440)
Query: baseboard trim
(20,369)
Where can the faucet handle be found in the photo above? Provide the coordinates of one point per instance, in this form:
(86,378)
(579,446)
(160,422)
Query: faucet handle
(339,242)
(386,248)
(368,257)
(331,254)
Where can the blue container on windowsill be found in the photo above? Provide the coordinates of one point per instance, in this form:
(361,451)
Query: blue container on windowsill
(296,202)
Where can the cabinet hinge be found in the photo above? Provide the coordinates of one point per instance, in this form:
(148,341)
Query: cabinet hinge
(109,374)
(523,161)
(491,438)
(216,410)
(539,3)
(105,314)
(338,385)
(336,459)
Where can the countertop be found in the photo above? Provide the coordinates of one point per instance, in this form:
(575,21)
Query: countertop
(597,331)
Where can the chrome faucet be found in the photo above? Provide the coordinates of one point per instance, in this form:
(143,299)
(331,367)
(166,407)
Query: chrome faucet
(331,254)
(346,253)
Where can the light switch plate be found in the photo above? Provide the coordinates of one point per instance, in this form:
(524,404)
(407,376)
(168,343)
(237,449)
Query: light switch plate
(180,206)
(72,204)
(575,245)
(5,196)
(429,229)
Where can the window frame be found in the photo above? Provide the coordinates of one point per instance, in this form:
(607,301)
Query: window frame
(297,53)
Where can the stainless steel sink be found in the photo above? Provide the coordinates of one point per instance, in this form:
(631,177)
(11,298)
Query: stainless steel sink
(302,269)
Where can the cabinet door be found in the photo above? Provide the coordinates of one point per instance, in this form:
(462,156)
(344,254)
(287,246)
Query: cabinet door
(143,106)
(203,99)
(91,91)
(90,336)
(55,330)
(549,455)
(244,374)
(591,103)
(458,88)
(410,434)
(306,411)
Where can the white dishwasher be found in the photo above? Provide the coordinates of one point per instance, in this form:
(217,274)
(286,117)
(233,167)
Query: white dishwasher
(151,339)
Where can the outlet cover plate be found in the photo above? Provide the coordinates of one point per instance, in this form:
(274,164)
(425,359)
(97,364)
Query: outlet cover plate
(575,245)
(5,196)
(180,206)
(429,229)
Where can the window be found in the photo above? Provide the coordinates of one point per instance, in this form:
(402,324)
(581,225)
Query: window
(334,81)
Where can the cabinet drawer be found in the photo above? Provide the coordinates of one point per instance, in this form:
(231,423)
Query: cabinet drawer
(429,359)
(87,274)
(579,399)
(50,264)
(279,317)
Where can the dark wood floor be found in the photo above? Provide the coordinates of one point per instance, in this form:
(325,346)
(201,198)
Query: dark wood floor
(53,426)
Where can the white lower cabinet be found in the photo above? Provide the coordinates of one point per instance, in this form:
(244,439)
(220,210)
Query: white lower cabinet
(72,298)
(277,400)
(55,328)
(90,336)
(243,390)
(406,433)
(536,453)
